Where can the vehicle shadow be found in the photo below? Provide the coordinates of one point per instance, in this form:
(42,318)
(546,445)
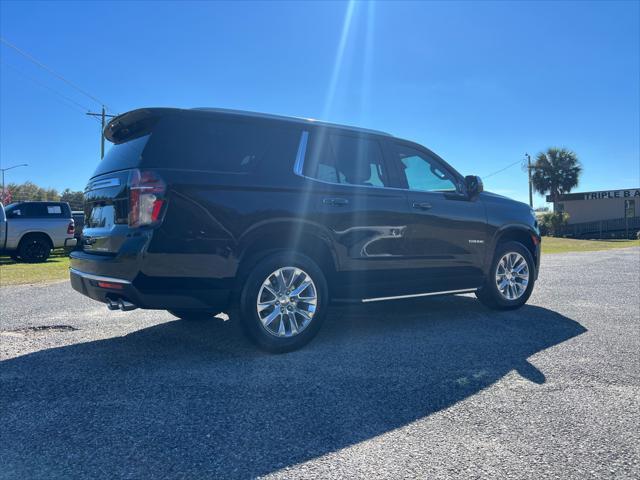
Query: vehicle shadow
(195,399)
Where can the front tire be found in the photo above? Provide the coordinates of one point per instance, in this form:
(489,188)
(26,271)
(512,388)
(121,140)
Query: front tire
(510,279)
(283,302)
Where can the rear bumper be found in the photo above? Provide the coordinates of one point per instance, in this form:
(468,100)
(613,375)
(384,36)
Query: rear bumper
(70,243)
(105,288)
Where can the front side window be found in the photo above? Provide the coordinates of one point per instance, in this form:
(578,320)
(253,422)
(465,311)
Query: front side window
(423,173)
(345,159)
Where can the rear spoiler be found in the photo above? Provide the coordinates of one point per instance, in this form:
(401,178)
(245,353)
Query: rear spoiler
(134,124)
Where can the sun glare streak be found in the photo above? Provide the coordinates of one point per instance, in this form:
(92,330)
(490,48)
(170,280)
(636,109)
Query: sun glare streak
(367,63)
(337,65)
(313,149)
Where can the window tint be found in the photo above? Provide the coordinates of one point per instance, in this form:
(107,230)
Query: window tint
(14,210)
(346,159)
(123,156)
(37,210)
(210,145)
(423,173)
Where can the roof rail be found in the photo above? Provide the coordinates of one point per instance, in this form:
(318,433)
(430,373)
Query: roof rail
(308,121)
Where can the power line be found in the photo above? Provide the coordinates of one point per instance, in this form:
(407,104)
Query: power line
(502,169)
(70,102)
(53,72)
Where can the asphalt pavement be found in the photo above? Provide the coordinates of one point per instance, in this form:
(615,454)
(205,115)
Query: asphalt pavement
(436,388)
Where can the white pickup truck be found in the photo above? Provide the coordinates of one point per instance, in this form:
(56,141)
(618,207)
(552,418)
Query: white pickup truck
(30,230)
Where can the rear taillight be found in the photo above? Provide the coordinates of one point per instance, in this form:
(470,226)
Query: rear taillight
(71,229)
(113,286)
(146,198)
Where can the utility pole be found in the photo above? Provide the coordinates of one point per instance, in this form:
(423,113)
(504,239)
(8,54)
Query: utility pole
(9,168)
(103,117)
(530,185)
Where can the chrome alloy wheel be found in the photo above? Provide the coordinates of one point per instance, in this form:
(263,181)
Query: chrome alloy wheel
(287,301)
(512,276)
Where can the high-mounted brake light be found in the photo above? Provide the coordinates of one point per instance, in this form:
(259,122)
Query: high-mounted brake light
(146,198)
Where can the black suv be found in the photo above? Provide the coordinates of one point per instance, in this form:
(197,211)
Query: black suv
(195,211)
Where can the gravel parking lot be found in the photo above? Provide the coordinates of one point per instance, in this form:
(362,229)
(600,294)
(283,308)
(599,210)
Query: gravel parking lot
(437,388)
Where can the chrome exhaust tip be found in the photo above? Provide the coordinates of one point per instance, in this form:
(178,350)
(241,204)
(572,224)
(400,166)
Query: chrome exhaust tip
(120,304)
(126,306)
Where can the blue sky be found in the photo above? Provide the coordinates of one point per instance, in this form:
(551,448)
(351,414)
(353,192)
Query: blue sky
(479,83)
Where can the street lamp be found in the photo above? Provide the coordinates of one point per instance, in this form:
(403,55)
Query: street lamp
(9,168)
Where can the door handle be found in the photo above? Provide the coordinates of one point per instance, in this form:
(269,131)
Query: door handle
(422,205)
(335,202)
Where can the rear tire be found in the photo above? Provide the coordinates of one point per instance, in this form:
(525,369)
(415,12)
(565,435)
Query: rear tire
(284,315)
(511,263)
(34,249)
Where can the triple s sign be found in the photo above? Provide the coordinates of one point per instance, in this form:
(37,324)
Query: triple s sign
(629,193)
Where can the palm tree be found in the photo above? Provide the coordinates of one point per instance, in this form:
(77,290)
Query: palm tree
(555,172)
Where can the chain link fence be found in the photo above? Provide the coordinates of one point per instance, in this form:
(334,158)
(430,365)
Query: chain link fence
(627,227)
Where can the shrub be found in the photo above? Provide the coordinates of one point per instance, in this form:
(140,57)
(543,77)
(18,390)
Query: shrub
(551,222)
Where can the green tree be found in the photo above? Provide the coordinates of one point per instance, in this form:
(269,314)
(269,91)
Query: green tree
(551,223)
(75,199)
(555,172)
(29,191)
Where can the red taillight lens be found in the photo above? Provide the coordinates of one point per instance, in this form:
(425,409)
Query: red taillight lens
(71,229)
(112,286)
(146,197)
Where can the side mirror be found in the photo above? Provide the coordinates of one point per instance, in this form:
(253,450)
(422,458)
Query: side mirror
(474,185)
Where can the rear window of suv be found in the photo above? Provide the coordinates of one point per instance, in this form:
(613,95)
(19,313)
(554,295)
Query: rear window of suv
(122,156)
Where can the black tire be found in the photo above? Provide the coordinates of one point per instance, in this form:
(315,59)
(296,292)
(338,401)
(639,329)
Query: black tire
(250,320)
(34,249)
(490,295)
(192,315)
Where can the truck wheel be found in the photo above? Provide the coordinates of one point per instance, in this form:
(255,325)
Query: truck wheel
(511,278)
(34,249)
(283,302)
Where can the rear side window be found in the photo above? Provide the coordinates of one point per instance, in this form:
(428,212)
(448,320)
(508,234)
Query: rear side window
(228,146)
(346,159)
